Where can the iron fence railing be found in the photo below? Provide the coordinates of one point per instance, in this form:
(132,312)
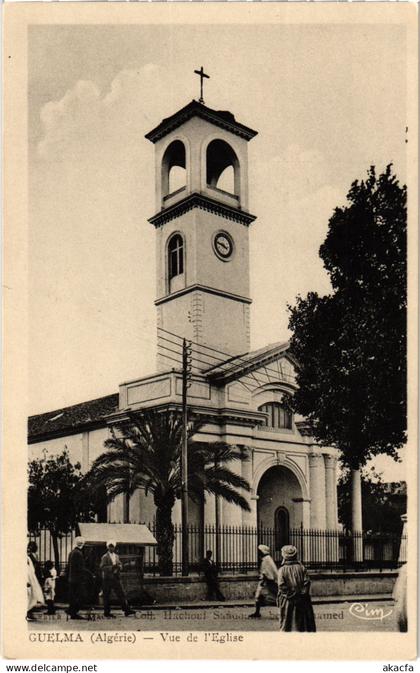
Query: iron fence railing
(235,548)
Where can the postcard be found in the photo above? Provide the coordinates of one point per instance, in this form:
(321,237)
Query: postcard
(210,292)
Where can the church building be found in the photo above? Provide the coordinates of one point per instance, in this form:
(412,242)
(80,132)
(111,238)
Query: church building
(202,224)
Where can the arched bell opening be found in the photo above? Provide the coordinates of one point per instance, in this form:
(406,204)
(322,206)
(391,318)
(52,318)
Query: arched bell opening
(174,173)
(222,168)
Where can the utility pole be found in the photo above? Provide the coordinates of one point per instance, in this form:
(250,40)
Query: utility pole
(186,378)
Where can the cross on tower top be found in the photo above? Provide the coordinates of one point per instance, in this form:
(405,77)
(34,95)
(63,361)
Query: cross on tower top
(202,75)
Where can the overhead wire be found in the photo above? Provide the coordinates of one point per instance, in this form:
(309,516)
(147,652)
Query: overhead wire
(251,376)
(220,352)
(221,360)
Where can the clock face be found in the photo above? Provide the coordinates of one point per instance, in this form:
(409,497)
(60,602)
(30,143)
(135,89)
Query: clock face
(223,245)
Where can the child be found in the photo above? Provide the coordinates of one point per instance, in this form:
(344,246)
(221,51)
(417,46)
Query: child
(49,586)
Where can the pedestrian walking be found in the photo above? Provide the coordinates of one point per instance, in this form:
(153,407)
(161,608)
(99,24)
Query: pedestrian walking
(266,593)
(296,612)
(212,579)
(34,591)
(49,586)
(78,577)
(110,568)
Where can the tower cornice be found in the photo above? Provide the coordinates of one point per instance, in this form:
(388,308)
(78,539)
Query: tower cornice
(204,203)
(202,288)
(220,118)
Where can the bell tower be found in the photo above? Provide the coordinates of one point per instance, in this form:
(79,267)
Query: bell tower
(202,227)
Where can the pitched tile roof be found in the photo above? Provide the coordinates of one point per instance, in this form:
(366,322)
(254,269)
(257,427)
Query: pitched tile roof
(75,418)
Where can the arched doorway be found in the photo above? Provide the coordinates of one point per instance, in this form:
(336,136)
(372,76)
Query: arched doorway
(279,508)
(281,527)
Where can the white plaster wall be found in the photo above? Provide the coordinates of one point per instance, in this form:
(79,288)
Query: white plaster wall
(96,442)
(83,448)
(194,316)
(231,275)
(55,446)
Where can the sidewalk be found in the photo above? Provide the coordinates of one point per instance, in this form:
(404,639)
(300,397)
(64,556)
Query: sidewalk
(241,603)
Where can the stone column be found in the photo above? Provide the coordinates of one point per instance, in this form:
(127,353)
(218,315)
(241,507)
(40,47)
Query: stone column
(248,518)
(209,510)
(317,490)
(147,509)
(306,513)
(330,491)
(332,543)
(135,501)
(356,506)
(116,510)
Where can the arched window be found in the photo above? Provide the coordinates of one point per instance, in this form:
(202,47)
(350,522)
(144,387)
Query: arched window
(278,416)
(175,256)
(222,167)
(174,175)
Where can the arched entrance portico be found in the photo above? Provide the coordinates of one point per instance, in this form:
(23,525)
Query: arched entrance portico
(280,504)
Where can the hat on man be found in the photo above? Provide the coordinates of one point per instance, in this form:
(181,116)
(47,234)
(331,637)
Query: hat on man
(79,541)
(264,549)
(111,543)
(289,552)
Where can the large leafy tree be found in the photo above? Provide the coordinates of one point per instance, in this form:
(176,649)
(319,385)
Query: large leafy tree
(56,499)
(145,452)
(351,344)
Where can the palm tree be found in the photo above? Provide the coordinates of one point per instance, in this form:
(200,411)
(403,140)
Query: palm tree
(144,451)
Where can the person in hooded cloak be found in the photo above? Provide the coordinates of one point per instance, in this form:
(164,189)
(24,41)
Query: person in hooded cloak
(294,601)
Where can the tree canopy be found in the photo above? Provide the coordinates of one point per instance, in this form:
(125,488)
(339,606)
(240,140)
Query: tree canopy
(55,498)
(351,344)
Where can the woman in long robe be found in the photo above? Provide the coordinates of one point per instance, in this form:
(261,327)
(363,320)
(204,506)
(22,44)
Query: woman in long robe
(296,612)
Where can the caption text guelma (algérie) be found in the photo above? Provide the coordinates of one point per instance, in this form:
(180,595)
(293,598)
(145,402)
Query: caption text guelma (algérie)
(131,637)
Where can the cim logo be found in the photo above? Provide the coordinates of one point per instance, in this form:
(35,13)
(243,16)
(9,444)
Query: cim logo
(363,611)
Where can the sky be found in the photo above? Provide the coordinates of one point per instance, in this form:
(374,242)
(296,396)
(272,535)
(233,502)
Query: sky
(327,101)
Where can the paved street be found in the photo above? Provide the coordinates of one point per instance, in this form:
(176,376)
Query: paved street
(373,616)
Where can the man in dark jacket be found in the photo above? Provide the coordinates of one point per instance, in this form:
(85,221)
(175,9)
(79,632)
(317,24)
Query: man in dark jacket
(78,575)
(111,567)
(211,575)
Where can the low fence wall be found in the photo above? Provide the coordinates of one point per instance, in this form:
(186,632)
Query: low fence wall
(242,587)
